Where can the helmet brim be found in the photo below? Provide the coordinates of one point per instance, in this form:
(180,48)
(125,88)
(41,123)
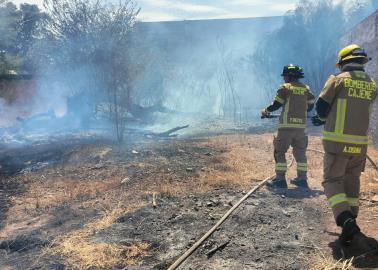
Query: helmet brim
(294,76)
(352,57)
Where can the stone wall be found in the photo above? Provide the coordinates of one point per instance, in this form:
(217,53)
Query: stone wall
(365,34)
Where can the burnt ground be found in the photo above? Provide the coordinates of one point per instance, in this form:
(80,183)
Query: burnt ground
(259,236)
(88,205)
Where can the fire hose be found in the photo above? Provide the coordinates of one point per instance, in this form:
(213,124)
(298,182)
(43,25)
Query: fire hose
(196,245)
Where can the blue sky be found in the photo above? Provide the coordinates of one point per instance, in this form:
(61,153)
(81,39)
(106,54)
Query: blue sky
(167,10)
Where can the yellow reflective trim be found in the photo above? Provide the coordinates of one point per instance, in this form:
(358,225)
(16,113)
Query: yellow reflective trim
(345,138)
(355,137)
(338,113)
(280,100)
(285,115)
(343,115)
(340,116)
(354,202)
(337,199)
(281,167)
(291,126)
(302,167)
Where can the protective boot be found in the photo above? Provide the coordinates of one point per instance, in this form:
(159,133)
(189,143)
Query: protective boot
(349,232)
(349,226)
(278,182)
(301,180)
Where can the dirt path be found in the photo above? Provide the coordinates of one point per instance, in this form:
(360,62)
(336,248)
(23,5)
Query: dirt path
(92,209)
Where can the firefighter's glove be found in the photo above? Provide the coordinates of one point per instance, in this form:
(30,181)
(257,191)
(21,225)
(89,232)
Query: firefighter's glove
(316,121)
(265,114)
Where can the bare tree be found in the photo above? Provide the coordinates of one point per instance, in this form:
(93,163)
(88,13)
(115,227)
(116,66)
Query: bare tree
(94,39)
(226,82)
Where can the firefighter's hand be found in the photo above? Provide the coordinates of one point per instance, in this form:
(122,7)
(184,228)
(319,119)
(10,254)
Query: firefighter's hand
(265,114)
(316,121)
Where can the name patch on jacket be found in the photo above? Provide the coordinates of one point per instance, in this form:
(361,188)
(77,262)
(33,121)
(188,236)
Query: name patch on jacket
(298,90)
(296,120)
(360,89)
(352,150)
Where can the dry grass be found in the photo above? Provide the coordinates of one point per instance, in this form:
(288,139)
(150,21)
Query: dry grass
(57,191)
(80,251)
(239,167)
(321,262)
(242,165)
(171,189)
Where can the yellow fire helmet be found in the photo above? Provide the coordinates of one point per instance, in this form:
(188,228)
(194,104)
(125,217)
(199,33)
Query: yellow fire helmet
(352,52)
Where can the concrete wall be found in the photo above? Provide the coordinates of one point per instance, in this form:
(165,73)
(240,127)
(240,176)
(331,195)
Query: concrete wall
(366,35)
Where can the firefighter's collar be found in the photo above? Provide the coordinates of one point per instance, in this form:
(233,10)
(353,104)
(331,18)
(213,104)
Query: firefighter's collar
(352,67)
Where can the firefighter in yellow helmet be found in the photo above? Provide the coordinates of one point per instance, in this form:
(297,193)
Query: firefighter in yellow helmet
(344,107)
(296,99)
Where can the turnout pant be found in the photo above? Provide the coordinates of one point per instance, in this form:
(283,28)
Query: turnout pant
(342,181)
(296,138)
